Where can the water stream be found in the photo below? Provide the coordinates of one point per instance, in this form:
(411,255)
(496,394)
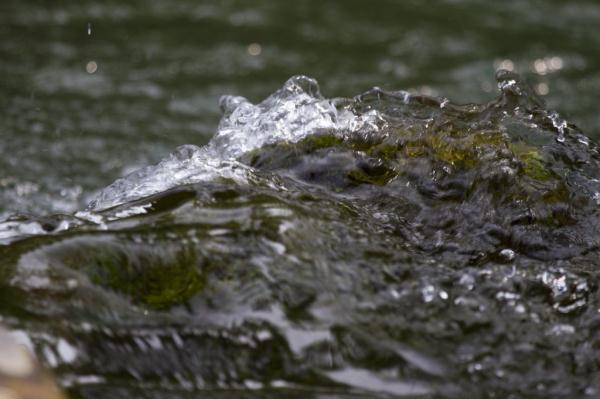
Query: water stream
(435,236)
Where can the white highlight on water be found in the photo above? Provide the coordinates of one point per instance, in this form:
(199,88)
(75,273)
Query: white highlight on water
(66,351)
(295,111)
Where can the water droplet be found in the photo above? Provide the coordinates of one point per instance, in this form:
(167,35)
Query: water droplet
(254,49)
(467,281)
(543,66)
(559,124)
(475,367)
(556,63)
(91,67)
(428,293)
(542,89)
(507,254)
(540,66)
(263,335)
(507,296)
(89,28)
(560,329)
(251,384)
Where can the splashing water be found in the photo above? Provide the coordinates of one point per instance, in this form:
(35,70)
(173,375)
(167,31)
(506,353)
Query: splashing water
(389,245)
(292,113)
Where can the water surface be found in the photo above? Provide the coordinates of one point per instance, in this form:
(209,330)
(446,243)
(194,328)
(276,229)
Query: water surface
(161,69)
(331,241)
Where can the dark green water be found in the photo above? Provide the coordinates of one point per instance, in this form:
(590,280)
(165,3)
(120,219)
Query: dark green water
(162,67)
(395,244)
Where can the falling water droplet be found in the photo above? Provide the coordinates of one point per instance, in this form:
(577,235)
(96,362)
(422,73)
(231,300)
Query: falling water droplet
(89,28)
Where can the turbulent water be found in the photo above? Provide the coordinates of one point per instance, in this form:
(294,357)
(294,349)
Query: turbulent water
(387,245)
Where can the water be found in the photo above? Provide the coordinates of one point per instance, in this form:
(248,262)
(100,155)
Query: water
(386,244)
(160,70)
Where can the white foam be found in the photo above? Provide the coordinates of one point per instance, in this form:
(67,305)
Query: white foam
(292,113)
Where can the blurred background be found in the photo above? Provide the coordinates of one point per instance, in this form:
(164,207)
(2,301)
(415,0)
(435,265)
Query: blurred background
(92,90)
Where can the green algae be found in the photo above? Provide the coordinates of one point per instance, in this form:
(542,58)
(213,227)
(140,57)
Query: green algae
(157,279)
(532,161)
(381,160)
(319,141)
(378,176)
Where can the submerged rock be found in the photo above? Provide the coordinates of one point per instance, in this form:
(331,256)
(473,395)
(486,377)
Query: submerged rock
(21,377)
(389,244)
(504,174)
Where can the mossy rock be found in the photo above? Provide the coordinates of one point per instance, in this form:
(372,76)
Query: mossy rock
(378,175)
(158,278)
(532,162)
